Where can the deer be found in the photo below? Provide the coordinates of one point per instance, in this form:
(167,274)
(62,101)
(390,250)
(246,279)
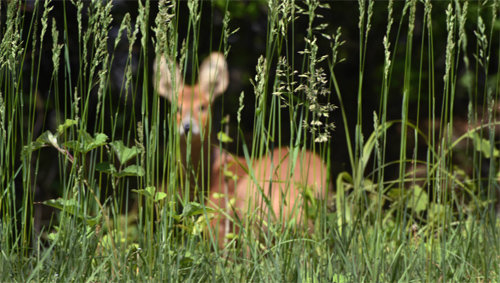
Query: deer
(265,184)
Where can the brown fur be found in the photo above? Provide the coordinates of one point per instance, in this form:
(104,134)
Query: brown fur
(283,190)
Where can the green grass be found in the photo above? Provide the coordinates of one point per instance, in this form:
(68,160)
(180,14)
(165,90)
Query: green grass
(125,211)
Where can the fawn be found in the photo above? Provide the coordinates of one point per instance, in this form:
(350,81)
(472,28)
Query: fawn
(282,188)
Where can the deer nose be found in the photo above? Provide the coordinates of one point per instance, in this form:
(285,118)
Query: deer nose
(189,124)
(186,126)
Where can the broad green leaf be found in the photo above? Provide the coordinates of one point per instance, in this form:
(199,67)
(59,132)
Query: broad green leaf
(218,195)
(222,137)
(52,236)
(467,80)
(74,145)
(84,139)
(99,140)
(159,196)
(229,174)
(418,199)
(106,167)
(151,190)
(231,236)
(44,138)
(483,145)
(86,142)
(41,141)
(132,170)
(67,205)
(53,140)
(199,225)
(395,193)
(32,146)
(147,192)
(68,123)
(123,152)
(71,207)
(194,208)
(93,220)
(225,120)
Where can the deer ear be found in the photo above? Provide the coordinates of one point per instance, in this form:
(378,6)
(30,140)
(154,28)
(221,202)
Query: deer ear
(162,77)
(214,76)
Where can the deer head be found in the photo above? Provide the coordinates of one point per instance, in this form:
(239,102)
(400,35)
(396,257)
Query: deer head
(193,101)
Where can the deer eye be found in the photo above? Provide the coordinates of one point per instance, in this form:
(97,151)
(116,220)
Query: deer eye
(203,107)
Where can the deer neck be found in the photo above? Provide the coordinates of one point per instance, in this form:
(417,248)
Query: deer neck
(198,167)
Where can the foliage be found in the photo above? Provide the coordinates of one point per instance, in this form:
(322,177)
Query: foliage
(86,139)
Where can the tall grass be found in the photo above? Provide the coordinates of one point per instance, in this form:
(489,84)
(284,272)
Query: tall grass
(126,209)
